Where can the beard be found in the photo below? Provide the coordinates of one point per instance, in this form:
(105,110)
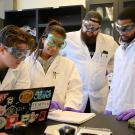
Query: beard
(88,40)
(127,39)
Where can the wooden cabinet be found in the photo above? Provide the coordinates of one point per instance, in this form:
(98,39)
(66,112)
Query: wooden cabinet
(69,16)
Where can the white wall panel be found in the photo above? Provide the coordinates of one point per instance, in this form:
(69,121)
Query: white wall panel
(27,4)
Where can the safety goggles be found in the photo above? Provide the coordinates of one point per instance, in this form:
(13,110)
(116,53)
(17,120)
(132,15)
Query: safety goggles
(90,26)
(18,53)
(55,41)
(124,28)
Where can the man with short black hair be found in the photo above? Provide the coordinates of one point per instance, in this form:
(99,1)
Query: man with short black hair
(92,52)
(121,99)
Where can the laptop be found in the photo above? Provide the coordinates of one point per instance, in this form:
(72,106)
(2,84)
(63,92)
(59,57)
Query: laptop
(26,105)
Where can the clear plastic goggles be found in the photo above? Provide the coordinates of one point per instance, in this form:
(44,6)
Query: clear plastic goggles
(18,53)
(124,28)
(90,26)
(55,41)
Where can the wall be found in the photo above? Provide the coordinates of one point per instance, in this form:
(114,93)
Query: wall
(5,5)
(27,4)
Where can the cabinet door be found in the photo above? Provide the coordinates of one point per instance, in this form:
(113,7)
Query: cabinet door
(21,18)
(129,3)
(69,16)
(1,23)
(108,9)
(126,3)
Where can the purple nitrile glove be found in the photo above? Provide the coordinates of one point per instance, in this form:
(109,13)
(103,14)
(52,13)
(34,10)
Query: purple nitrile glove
(106,112)
(71,109)
(55,105)
(126,115)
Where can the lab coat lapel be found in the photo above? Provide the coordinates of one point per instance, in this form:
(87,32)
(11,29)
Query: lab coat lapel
(99,43)
(55,64)
(39,67)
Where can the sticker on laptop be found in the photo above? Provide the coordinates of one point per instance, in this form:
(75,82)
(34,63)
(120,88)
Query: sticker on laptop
(25,118)
(2,97)
(26,96)
(2,110)
(2,122)
(12,119)
(10,100)
(40,105)
(11,110)
(33,117)
(42,116)
(41,95)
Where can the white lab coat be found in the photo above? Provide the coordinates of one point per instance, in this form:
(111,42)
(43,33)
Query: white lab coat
(92,70)
(16,78)
(63,75)
(122,92)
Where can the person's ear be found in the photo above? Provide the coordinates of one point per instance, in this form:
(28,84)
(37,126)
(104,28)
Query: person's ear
(1,47)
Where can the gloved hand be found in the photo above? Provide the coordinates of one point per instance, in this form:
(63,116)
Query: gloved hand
(126,115)
(71,109)
(106,112)
(56,105)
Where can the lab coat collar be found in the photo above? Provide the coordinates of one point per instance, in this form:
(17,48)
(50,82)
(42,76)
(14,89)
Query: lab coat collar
(125,45)
(55,64)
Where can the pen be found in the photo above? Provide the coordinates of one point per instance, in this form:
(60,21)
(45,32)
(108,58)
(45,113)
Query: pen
(54,75)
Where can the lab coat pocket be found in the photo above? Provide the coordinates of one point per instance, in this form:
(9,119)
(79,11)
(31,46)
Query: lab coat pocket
(101,58)
(58,79)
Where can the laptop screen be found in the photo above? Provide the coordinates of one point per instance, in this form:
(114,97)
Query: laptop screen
(26,105)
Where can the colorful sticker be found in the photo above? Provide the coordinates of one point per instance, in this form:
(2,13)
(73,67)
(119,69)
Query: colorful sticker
(25,118)
(2,110)
(12,119)
(33,117)
(21,109)
(2,122)
(10,100)
(42,116)
(26,96)
(2,97)
(11,110)
(40,105)
(41,95)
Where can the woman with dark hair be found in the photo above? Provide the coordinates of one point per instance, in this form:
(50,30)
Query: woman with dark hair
(48,68)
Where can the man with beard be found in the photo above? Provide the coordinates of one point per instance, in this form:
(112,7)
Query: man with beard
(121,99)
(92,52)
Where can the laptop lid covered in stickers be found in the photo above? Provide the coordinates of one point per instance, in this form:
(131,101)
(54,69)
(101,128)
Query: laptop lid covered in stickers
(26,105)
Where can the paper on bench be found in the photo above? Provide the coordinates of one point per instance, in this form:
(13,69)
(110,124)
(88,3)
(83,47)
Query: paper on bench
(70,117)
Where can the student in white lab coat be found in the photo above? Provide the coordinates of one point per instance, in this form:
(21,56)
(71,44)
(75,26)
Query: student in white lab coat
(121,99)
(48,68)
(93,53)
(14,47)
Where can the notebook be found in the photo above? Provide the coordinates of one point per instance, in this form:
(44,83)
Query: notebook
(26,105)
(70,117)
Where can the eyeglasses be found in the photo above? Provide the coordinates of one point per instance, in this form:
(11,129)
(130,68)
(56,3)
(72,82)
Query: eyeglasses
(90,26)
(124,28)
(55,41)
(18,53)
